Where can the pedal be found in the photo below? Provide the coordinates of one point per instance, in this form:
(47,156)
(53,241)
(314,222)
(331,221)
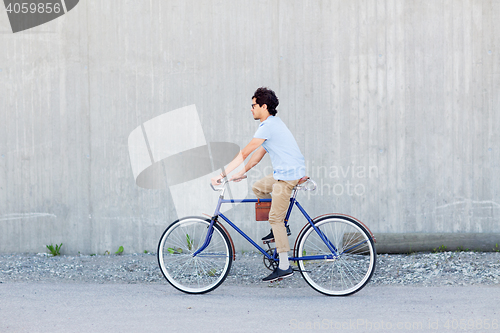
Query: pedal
(267,242)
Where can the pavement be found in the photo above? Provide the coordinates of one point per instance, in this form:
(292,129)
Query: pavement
(67,307)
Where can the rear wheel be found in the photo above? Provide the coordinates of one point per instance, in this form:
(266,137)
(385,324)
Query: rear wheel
(194,275)
(353,264)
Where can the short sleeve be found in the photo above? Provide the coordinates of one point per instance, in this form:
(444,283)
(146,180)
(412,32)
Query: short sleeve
(263,132)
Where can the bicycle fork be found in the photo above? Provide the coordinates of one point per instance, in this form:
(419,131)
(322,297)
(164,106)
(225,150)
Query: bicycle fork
(208,238)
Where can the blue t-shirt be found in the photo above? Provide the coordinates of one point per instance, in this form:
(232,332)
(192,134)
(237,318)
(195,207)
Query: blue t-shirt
(288,161)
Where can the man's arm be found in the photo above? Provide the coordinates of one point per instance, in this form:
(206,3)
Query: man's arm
(241,157)
(254,160)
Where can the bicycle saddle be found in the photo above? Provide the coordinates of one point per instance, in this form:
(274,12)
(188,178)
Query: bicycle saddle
(302,180)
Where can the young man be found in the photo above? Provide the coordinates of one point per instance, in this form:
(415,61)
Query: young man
(275,138)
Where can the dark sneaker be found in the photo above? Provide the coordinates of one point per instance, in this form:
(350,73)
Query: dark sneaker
(278,274)
(270,236)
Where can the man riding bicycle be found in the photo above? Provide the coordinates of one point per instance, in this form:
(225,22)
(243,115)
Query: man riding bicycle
(273,137)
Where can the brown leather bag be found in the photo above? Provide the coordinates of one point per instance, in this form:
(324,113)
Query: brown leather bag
(262,211)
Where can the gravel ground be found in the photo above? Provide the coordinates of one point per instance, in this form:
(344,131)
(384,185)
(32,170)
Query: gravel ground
(418,269)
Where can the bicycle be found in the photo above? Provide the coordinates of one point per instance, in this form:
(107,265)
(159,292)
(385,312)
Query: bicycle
(335,253)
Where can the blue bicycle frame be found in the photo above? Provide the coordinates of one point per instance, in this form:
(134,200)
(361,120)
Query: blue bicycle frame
(334,252)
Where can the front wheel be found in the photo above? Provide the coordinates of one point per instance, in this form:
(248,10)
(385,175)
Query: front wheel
(352,264)
(200,274)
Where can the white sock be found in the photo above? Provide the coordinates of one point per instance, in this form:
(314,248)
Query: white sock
(284,264)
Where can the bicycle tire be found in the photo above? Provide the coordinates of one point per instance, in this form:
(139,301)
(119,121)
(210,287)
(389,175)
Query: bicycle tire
(194,275)
(355,264)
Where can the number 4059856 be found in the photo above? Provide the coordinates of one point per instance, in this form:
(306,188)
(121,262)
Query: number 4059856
(31,7)
(471,324)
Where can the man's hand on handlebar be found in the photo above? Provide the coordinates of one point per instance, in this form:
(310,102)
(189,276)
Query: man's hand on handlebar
(216,180)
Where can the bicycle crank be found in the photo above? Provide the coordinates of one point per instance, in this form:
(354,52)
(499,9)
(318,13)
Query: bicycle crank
(270,264)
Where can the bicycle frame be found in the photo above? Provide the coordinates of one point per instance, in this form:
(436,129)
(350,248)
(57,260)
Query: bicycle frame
(334,253)
(293,202)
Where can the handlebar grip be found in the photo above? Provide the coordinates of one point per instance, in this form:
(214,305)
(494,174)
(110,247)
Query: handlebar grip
(218,182)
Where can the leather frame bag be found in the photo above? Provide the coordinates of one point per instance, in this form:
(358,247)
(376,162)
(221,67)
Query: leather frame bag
(262,211)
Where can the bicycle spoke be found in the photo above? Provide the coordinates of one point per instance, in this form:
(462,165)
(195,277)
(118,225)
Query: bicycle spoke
(316,246)
(342,276)
(181,243)
(216,243)
(182,269)
(178,258)
(349,269)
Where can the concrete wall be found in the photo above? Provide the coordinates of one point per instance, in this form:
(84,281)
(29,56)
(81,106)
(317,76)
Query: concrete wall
(394,104)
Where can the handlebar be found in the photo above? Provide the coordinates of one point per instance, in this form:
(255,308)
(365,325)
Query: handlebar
(225,181)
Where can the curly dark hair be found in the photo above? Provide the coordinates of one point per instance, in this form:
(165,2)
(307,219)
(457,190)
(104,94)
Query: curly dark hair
(266,96)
